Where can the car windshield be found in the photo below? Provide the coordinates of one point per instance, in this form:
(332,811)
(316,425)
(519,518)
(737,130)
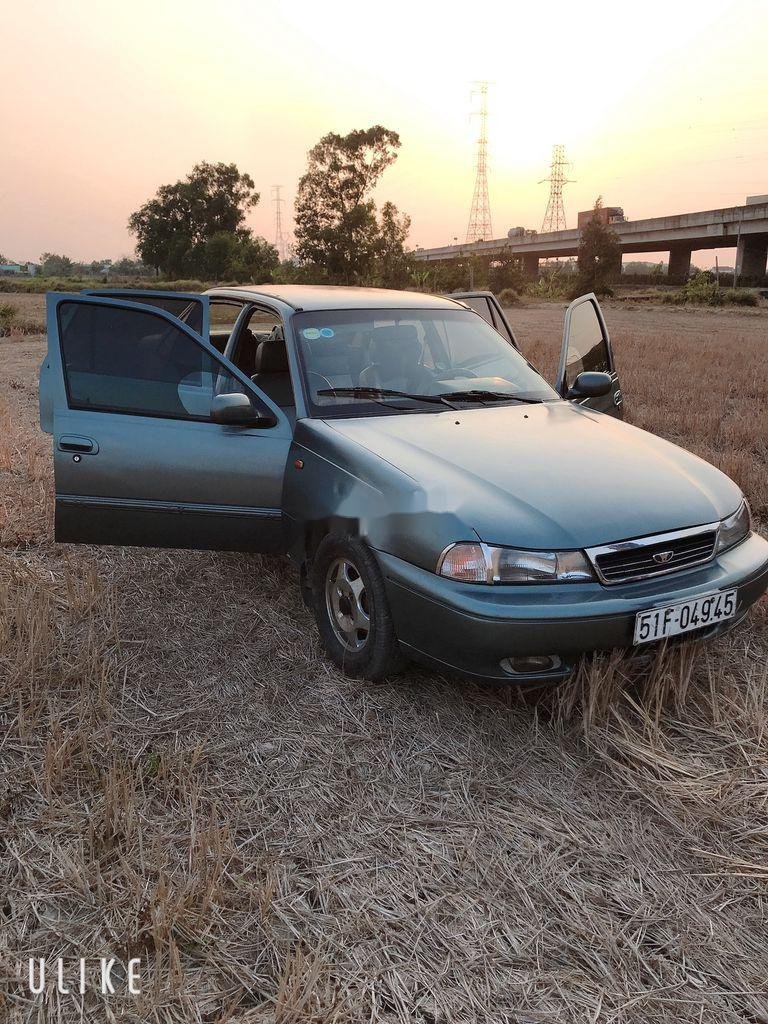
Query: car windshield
(365,361)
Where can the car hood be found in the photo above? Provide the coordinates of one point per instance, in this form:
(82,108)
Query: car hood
(552,475)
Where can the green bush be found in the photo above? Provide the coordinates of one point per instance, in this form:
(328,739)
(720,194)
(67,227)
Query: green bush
(12,323)
(508,297)
(7,316)
(739,297)
(40,285)
(552,287)
(701,291)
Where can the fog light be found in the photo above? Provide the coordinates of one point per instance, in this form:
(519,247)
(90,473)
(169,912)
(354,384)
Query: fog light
(532,664)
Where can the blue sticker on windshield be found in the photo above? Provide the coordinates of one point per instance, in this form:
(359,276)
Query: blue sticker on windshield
(326,332)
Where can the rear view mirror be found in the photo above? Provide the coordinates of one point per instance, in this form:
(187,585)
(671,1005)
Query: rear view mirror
(590,384)
(237,409)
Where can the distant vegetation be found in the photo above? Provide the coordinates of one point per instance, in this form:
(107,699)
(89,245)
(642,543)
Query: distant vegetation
(196,228)
(340,236)
(192,235)
(702,291)
(599,257)
(12,321)
(40,285)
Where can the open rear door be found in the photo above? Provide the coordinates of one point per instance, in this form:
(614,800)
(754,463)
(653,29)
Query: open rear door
(489,308)
(191,308)
(586,346)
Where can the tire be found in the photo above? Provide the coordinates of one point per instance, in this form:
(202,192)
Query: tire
(351,609)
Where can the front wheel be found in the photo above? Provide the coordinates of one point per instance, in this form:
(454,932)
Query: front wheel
(351,609)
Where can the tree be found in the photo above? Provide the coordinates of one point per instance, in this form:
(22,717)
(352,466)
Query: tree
(599,259)
(126,267)
(336,225)
(504,272)
(238,256)
(53,265)
(393,265)
(173,228)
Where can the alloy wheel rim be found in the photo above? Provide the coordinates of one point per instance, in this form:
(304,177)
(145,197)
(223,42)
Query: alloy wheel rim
(347,603)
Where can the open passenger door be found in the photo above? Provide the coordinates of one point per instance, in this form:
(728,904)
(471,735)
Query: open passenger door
(586,347)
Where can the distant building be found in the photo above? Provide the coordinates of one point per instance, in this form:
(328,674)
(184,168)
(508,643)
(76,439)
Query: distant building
(756,200)
(16,269)
(603,215)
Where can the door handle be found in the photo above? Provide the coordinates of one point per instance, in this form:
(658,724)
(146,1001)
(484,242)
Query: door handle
(75,443)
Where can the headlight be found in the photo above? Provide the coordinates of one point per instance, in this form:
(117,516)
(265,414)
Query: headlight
(482,563)
(735,528)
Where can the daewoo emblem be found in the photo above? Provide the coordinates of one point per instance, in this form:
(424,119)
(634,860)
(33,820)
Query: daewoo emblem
(662,557)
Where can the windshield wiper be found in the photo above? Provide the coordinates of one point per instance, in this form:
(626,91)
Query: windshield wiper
(376,394)
(488,396)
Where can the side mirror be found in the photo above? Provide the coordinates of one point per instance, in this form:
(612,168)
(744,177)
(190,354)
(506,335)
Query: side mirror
(590,384)
(237,409)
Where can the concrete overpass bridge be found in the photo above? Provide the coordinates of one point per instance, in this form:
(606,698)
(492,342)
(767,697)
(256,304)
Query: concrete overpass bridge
(744,227)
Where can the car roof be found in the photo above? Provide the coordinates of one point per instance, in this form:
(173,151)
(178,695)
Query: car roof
(320,296)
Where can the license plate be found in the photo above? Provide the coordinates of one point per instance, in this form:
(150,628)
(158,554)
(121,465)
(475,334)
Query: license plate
(673,619)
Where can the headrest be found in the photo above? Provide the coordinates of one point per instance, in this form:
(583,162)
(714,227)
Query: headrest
(272,355)
(390,337)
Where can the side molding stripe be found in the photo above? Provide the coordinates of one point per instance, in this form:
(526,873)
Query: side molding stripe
(139,505)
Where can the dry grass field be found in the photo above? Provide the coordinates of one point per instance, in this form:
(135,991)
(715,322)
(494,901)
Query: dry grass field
(185,778)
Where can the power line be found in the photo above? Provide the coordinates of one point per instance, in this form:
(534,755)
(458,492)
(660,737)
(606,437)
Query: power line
(479,227)
(554,218)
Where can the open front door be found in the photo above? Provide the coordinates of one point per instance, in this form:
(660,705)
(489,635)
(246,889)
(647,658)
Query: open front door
(587,347)
(191,308)
(141,453)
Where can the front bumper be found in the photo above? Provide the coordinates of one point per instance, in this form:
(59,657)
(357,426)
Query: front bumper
(470,628)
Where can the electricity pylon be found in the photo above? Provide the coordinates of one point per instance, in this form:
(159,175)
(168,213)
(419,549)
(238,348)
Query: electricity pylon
(479,227)
(554,218)
(281,243)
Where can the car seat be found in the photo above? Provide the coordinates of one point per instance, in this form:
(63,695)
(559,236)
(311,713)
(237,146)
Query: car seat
(272,375)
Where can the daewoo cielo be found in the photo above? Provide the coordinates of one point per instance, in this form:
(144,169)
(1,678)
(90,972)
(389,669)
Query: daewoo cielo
(439,498)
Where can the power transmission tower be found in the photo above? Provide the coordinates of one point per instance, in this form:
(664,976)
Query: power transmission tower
(554,218)
(479,227)
(281,243)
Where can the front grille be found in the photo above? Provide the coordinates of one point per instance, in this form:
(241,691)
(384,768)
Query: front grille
(634,559)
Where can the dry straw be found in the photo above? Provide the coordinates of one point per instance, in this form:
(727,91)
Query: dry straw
(185,779)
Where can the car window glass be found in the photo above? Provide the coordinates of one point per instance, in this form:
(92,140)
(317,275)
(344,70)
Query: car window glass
(224,316)
(189,311)
(261,321)
(123,360)
(421,352)
(501,326)
(481,305)
(587,349)
(258,328)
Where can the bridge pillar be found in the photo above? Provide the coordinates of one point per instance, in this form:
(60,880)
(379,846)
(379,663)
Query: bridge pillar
(751,256)
(679,263)
(530,266)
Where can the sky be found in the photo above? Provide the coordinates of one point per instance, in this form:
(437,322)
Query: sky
(662,106)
